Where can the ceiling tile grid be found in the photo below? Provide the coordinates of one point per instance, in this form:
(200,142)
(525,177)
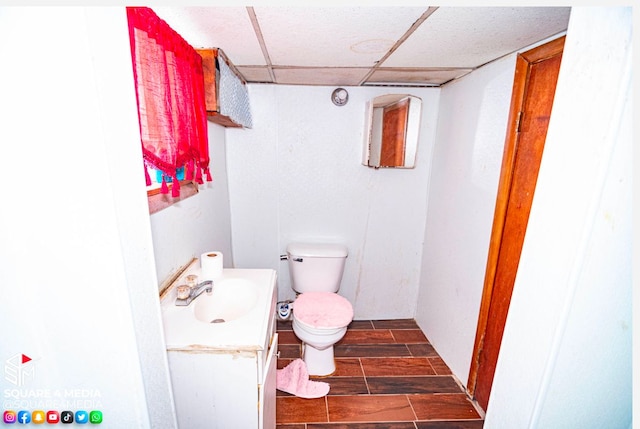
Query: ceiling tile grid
(310,45)
(472,36)
(228,28)
(331,36)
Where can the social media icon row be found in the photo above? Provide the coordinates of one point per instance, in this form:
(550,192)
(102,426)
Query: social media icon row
(52,417)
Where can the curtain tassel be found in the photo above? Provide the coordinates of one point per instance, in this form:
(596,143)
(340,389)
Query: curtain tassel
(175,189)
(189,171)
(164,188)
(199,176)
(147,178)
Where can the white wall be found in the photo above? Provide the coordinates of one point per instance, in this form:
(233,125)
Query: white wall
(464,181)
(77,278)
(297,175)
(197,224)
(566,350)
(88,311)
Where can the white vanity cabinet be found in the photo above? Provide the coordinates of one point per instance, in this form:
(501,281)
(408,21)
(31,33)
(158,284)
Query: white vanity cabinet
(224,374)
(225,390)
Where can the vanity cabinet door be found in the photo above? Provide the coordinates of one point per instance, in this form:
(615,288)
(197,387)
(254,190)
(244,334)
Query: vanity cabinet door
(267,390)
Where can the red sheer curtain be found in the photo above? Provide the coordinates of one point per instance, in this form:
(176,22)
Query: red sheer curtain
(169,85)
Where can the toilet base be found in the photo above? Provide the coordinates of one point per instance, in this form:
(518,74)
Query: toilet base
(319,362)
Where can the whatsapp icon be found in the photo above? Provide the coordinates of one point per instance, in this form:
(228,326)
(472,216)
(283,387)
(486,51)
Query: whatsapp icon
(95,417)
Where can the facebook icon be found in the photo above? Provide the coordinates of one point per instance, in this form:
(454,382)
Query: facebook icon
(24,417)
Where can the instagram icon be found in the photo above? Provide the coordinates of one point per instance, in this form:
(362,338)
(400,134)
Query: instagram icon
(9,416)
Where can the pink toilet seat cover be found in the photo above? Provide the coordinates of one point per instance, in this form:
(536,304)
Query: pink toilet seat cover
(323,310)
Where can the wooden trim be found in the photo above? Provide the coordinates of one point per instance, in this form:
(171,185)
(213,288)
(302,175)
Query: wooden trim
(504,188)
(159,201)
(545,51)
(394,133)
(220,119)
(210,76)
(521,77)
(211,85)
(166,284)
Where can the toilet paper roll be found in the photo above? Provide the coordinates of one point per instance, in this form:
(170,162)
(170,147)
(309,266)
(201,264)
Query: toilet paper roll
(211,264)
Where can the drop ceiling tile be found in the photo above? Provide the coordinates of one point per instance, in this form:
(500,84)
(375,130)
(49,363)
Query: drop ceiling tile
(301,41)
(472,36)
(223,27)
(319,76)
(255,74)
(427,77)
(333,36)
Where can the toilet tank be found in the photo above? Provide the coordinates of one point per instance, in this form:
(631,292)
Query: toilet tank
(316,267)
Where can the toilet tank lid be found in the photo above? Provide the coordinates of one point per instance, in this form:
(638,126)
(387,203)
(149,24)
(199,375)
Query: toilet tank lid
(320,250)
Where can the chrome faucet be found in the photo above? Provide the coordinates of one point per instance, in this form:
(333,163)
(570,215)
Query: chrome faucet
(196,291)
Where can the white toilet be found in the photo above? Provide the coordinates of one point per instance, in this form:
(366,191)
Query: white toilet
(320,315)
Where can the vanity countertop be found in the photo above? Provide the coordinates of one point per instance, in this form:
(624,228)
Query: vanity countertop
(184,331)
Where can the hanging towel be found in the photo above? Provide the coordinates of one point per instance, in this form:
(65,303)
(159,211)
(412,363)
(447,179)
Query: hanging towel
(294,379)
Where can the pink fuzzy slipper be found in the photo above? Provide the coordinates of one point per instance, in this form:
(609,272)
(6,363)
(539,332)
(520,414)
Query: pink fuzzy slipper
(294,379)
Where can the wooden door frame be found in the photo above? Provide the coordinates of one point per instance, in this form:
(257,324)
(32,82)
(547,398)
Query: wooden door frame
(521,78)
(394,133)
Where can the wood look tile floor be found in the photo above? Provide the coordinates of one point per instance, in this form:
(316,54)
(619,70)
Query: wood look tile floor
(387,376)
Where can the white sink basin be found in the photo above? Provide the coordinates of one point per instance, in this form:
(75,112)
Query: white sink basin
(234,316)
(230,300)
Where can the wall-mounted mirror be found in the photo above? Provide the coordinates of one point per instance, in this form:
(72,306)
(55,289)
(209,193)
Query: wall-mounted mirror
(392,128)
